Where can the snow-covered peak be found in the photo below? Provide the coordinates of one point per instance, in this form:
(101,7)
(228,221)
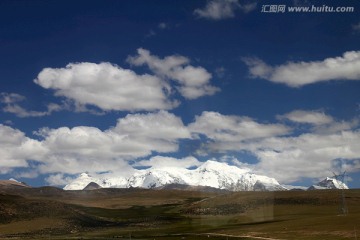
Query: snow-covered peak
(210,174)
(215,166)
(14,180)
(81,182)
(210,164)
(330,183)
(84,175)
(333,183)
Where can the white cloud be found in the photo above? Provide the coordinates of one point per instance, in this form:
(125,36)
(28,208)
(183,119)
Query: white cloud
(88,87)
(287,158)
(10,98)
(22,112)
(344,165)
(290,159)
(157,126)
(225,128)
(321,122)
(297,74)
(27,174)
(106,86)
(166,162)
(308,155)
(336,126)
(193,81)
(58,179)
(11,102)
(248,7)
(236,162)
(311,117)
(134,136)
(75,150)
(223,9)
(16,148)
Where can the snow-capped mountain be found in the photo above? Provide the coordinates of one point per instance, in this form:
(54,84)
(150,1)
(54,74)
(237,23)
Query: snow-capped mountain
(211,174)
(12,183)
(329,183)
(84,179)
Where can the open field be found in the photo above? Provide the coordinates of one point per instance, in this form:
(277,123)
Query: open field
(49,213)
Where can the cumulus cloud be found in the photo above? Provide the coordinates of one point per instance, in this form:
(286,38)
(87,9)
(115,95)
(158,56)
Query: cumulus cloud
(282,154)
(139,140)
(321,123)
(193,82)
(236,162)
(336,126)
(16,149)
(168,162)
(11,105)
(291,158)
(344,165)
(297,74)
(224,128)
(73,150)
(223,9)
(58,179)
(310,117)
(154,126)
(33,173)
(88,148)
(307,155)
(106,86)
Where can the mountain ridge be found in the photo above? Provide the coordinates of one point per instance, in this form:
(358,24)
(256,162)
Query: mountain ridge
(209,174)
(329,183)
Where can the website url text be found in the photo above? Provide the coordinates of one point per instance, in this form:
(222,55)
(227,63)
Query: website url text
(307,9)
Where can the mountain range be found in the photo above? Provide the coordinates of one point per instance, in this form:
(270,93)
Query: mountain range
(210,174)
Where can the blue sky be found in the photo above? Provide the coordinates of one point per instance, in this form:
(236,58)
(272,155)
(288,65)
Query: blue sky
(109,86)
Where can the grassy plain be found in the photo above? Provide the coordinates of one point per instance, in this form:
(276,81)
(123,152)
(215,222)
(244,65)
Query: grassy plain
(49,213)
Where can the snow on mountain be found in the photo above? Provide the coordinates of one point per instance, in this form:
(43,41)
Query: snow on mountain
(14,180)
(12,183)
(81,182)
(292,187)
(84,179)
(267,186)
(211,174)
(329,183)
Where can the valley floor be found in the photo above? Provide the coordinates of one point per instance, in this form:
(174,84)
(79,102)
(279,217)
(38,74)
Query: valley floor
(49,213)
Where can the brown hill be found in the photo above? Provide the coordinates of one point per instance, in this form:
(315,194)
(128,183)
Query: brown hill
(92,186)
(12,184)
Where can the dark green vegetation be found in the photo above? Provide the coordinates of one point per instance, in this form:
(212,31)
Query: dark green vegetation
(50,213)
